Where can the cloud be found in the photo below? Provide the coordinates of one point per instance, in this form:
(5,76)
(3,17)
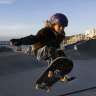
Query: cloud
(6,1)
(11,28)
(16,29)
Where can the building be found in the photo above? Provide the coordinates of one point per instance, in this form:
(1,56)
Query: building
(76,38)
(90,33)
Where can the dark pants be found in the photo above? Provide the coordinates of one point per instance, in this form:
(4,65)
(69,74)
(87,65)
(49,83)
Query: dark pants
(50,53)
(45,53)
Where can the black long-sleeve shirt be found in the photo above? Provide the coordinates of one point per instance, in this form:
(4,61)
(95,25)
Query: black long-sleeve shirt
(44,37)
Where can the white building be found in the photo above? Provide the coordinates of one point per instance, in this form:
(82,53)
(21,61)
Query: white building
(90,33)
(76,38)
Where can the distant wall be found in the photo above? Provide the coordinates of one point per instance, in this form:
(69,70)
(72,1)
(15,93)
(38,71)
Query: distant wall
(5,49)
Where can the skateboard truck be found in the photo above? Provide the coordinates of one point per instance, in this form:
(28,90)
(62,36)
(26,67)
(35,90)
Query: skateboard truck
(46,88)
(56,73)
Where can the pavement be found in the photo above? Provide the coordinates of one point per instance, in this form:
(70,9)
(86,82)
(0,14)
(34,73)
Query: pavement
(19,72)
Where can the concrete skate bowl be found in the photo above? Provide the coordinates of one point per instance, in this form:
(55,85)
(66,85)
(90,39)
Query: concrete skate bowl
(82,50)
(5,49)
(87,48)
(71,46)
(15,62)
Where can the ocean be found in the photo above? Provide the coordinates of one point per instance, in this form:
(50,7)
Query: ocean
(7,44)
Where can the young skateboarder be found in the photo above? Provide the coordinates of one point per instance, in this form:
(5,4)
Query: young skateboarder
(47,40)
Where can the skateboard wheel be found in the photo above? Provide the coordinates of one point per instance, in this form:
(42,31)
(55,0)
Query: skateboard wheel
(64,79)
(50,74)
(37,86)
(48,90)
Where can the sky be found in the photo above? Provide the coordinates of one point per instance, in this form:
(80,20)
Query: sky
(20,18)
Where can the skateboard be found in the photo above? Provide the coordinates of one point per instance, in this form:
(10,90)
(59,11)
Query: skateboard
(54,72)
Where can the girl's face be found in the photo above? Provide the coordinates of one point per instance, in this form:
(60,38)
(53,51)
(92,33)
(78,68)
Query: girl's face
(59,28)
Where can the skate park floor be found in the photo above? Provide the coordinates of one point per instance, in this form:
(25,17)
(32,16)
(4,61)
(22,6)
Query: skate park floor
(19,72)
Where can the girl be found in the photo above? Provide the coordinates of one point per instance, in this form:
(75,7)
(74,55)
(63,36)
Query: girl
(47,40)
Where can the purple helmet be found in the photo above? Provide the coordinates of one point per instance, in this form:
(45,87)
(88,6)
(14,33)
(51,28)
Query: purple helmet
(59,18)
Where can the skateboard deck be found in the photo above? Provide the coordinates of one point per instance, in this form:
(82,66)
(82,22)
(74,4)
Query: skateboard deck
(61,66)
